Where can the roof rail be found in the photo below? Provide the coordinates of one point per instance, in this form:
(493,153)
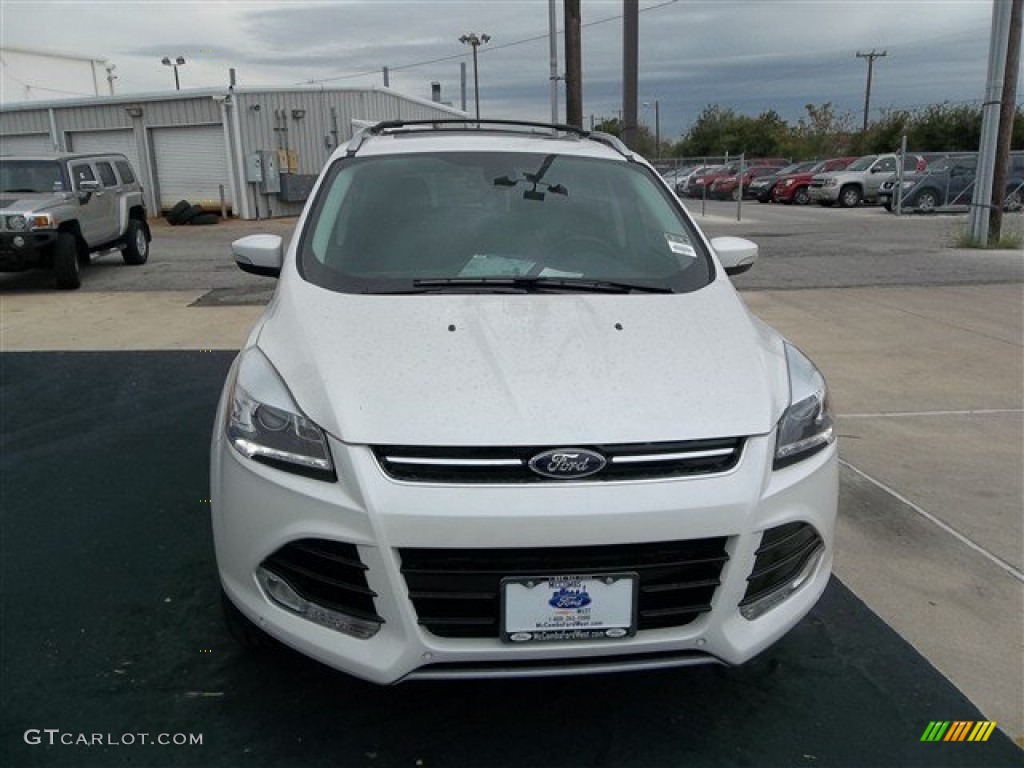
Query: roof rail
(462,124)
(395,126)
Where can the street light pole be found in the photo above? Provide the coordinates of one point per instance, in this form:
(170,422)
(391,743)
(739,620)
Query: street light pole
(166,61)
(475,40)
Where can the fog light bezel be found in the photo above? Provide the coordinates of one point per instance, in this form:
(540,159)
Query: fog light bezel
(278,591)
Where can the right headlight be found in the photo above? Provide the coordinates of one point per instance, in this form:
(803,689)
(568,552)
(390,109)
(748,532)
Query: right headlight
(265,424)
(807,425)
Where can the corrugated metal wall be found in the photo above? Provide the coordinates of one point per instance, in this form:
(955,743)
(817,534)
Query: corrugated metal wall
(309,123)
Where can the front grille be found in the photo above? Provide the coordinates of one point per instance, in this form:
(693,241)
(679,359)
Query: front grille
(626,461)
(783,553)
(328,573)
(456,592)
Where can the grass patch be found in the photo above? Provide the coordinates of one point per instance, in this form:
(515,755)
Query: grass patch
(1011,238)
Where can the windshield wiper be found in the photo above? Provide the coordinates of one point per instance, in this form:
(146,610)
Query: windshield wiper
(537,284)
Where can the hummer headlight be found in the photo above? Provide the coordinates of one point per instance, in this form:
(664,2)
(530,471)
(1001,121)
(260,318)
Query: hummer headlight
(16,223)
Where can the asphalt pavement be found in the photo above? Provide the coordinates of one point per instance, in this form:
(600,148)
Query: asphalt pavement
(109,615)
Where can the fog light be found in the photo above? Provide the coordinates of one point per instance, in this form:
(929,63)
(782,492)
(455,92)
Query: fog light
(281,592)
(753,610)
(19,242)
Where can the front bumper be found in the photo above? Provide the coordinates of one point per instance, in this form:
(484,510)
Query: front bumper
(25,250)
(257,510)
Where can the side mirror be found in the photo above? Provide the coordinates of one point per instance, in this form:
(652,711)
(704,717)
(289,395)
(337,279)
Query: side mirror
(736,254)
(259,254)
(85,189)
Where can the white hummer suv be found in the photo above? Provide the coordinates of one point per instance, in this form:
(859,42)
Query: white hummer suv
(57,210)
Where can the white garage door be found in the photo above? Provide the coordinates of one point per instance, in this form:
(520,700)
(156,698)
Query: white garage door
(25,144)
(191,164)
(120,141)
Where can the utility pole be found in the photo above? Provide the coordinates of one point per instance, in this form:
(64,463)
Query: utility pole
(630,69)
(553,47)
(867,93)
(573,65)
(1006,114)
(998,47)
(387,77)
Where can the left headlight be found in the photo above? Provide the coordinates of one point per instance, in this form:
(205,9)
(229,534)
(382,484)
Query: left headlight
(265,424)
(807,426)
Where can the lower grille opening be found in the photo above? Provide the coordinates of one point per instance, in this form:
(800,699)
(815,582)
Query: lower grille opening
(328,573)
(457,592)
(784,552)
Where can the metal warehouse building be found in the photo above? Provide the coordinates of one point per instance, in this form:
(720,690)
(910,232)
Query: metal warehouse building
(258,150)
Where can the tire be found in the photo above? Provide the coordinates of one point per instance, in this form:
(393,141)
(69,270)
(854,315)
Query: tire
(801,196)
(174,215)
(135,249)
(849,196)
(244,632)
(926,201)
(191,213)
(1013,202)
(203,219)
(67,269)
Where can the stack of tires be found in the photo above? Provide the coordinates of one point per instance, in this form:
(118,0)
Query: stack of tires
(185,213)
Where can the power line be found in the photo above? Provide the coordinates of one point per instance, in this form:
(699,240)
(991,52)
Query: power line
(488,50)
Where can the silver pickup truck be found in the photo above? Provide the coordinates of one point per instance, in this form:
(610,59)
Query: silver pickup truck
(861,180)
(58,210)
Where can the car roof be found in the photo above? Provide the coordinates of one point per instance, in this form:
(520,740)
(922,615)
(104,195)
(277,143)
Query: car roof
(414,136)
(62,156)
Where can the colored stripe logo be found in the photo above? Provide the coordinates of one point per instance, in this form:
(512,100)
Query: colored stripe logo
(958,730)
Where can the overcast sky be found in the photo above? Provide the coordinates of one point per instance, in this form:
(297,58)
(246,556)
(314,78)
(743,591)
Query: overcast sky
(750,56)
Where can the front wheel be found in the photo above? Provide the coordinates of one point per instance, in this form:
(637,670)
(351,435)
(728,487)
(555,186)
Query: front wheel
(849,197)
(927,201)
(801,196)
(67,269)
(136,245)
(1013,202)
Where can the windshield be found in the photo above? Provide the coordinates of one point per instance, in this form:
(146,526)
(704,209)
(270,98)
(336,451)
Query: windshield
(862,164)
(401,223)
(30,176)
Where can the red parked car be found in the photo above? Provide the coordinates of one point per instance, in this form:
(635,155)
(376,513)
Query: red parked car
(793,189)
(727,187)
(695,187)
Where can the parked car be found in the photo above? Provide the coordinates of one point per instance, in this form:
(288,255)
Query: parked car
(792,188)
(57,210)
(731,187)
(949,182)
(760,188)
(697,184)
(506,415)
(861,180)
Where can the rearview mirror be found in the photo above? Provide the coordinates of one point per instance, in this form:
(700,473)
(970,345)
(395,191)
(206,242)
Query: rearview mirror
(736,254)
(259,254)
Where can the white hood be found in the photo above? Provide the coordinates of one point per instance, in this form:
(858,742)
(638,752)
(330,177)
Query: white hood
(526,369)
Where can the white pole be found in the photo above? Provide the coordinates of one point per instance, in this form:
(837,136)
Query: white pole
(982,199)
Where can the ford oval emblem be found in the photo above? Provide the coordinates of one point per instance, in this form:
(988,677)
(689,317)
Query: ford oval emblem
(567,463)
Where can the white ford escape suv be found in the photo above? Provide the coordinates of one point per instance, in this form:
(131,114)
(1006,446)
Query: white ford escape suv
(506,415)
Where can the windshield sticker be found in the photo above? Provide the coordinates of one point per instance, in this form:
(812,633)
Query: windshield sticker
(680,246)
(489,265)
(549,272)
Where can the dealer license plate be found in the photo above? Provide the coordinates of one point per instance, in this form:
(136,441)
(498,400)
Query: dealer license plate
(559,608)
